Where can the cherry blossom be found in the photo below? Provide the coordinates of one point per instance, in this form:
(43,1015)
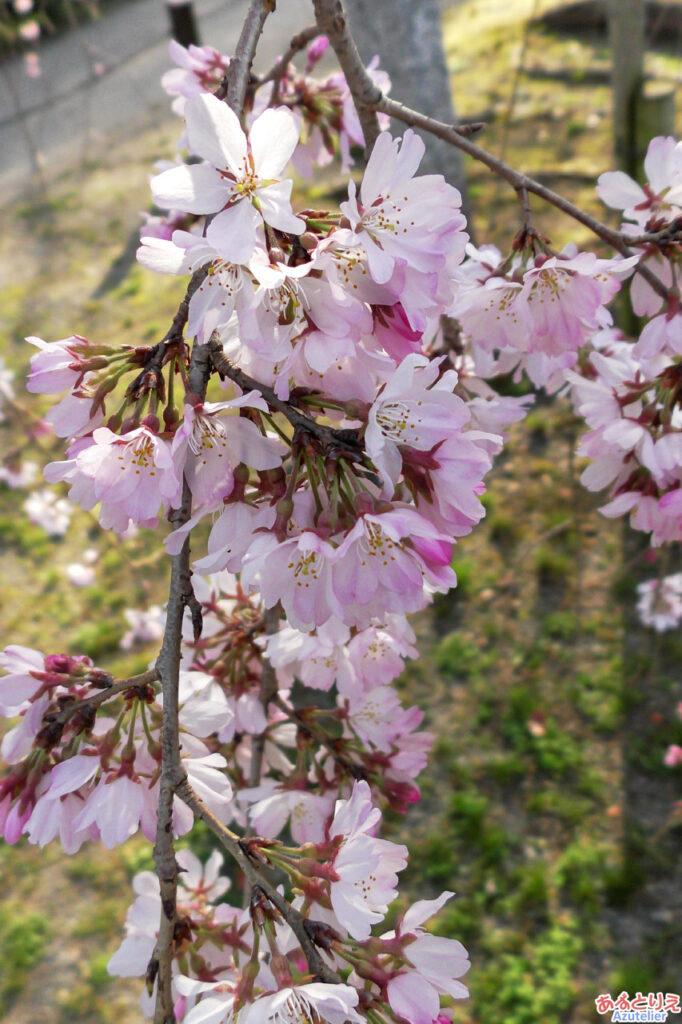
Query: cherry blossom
(297,572)
(58,365)
(434,965)
(365,867)
(395,204)
(145,626)
(131,475)
(660,602)
(356,353)
(314,1001)
(661,196)
(673,756)
(208,447)
(414,409)
(240,177)
(383,562)
(46,509)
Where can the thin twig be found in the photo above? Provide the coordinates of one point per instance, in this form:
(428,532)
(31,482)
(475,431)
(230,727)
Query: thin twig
(520,182)
(354,768)
(332,22)
(279,69)
(107,693)
(364,90)
(332,442)
(181,593)
(267,692)
(168,668)
(299,925)
(240,64)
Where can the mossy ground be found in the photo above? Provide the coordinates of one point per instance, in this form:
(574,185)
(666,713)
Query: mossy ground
(530,691)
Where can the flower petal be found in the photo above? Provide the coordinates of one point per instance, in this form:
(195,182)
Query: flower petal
(214,132)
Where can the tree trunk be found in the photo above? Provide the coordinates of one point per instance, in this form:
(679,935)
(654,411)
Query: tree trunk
(407,36)
(626,31)
(183,25)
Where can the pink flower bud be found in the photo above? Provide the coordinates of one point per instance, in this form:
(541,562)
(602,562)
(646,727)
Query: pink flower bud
(316,52)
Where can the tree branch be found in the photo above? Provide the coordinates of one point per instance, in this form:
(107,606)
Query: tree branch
(54,722)
(168,669)
(266,693)
(521,183)
(181,593)
(299,925)
(116,687)
(332,442)
(279,69)
(240,64)
(332,21)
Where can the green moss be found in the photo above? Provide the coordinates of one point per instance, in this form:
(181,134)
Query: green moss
(539,984)
(23,938)
(467,571)
(563,805)
(137,856)
(505,770)
(96,638)
(100,918)
(505,530)
(468,811)
(438,863)
(31,540)
(457,654)
(556,752)
(86,869)
(98,976)
(561,625)
(599,695)
(552,566)
(530,892)
(579,872)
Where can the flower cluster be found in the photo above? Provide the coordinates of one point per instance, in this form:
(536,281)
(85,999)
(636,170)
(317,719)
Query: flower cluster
(335,419)
(634,441)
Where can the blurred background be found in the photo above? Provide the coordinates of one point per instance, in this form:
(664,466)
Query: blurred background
(547,805)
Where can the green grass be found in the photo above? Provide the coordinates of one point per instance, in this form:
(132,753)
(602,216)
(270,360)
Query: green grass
(514,817)
(23,940)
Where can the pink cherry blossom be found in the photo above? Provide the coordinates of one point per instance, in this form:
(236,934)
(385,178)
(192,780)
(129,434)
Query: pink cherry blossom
(661,196)
(434,964)
(200,69)
(208,447)
(417,409)
(231,536)
(57,366)
(673,756)
(566,299)
(403,221)
(319,660)
(271,806)
(131,475)
(660,602)
(377,653)
(46,509)
(383,562)
(26,673)
(316,1001)
(145,626)
(239,176)
(365,867)
(297,572)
